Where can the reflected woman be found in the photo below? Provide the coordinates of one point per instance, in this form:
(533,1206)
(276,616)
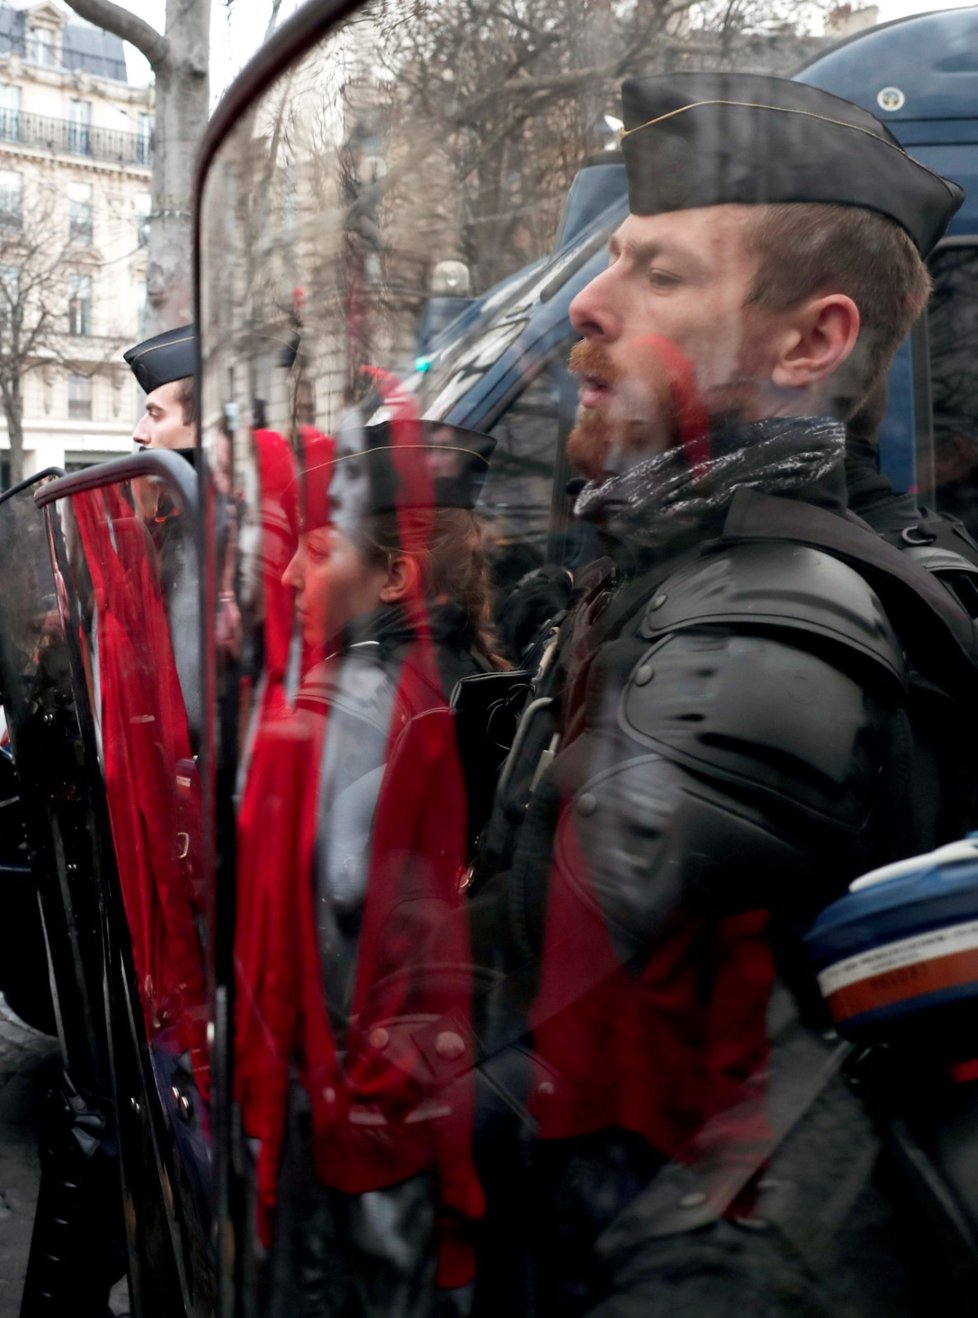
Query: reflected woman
(358,1080)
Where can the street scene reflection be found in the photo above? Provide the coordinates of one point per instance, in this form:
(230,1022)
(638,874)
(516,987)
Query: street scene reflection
(569,694)
(491,773)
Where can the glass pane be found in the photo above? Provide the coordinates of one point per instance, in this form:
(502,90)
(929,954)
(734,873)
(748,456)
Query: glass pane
(556,696)
(952,324)
(111,1137)
(128,595)
(132,571)
(43,733)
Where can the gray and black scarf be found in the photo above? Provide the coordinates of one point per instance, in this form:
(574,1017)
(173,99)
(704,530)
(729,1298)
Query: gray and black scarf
(663,495)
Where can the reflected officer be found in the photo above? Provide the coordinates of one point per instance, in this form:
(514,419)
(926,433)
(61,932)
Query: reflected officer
(731,739)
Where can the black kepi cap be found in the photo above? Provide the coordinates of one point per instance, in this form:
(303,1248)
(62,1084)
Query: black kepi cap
(710,139)
(393,467)
(164,358)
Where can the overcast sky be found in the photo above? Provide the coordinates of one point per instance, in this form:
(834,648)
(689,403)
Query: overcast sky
(239,29)
(903,8)
(236,33)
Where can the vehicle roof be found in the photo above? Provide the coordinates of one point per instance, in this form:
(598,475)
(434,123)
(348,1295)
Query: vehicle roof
(932,59)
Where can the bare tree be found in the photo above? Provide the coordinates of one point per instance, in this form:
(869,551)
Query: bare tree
(46,308)
(179,60)
(519,90)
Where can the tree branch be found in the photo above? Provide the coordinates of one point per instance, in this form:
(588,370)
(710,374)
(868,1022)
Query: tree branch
(126,25)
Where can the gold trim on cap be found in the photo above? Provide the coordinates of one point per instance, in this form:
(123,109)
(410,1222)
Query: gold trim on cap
(754,105)
(393,448)
(782,109)
(137,355)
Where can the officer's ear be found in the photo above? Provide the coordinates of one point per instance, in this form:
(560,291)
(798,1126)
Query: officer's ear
(403,579)
(817,337)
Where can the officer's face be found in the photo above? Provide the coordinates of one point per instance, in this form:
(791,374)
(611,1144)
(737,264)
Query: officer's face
(334,583)
(162,424)
(684,277)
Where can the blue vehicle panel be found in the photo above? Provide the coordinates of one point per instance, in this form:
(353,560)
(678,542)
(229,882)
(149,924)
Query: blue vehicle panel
(923,83)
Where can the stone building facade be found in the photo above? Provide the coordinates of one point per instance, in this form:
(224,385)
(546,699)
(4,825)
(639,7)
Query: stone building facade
(75,161)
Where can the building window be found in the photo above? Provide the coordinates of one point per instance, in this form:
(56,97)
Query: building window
(42,46)
(79,304)
(144,140)
(82,461)
(80,127)
(9,293)
(10,199)
(80,212)
(79,397)
(141,307)
(9,112)
(143,203)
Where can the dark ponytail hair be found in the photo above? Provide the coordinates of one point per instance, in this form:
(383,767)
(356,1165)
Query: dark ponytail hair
(447,546)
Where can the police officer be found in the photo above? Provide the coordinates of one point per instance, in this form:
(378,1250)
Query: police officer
(729,735)
(164,367)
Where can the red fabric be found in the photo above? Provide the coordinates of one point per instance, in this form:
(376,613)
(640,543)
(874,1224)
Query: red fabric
(289,503)
(153,804)
(381,1113)
(659,1050)
(687,406)
(391,1105)
(413,968)
(280,793)
(279,539)
(317,453)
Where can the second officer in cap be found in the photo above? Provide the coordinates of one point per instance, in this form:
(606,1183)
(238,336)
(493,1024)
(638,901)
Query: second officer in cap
(164,367)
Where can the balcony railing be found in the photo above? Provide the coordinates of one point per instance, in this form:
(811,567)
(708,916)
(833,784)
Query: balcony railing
(74,139)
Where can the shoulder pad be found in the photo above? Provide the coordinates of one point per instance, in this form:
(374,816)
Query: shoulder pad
(777,587)
(938,558)
(764,713)
(953,570)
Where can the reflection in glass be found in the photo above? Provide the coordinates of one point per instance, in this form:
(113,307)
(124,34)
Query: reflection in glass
(131,576)
(40,741)
(476,1021)
(363,583)
(952,324)
(351,948)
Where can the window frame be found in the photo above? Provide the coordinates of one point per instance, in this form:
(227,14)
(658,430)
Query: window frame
(80,214)
(80,321)
(12,216)
(80,126)
(82,399)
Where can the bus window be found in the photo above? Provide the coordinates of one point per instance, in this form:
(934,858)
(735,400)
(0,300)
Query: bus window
(516,499)
(952,324)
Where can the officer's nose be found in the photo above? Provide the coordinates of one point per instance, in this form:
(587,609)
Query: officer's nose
(141,433)
(592,312)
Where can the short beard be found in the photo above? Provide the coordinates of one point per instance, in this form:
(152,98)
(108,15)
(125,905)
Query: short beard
(601,442)
(595,439)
